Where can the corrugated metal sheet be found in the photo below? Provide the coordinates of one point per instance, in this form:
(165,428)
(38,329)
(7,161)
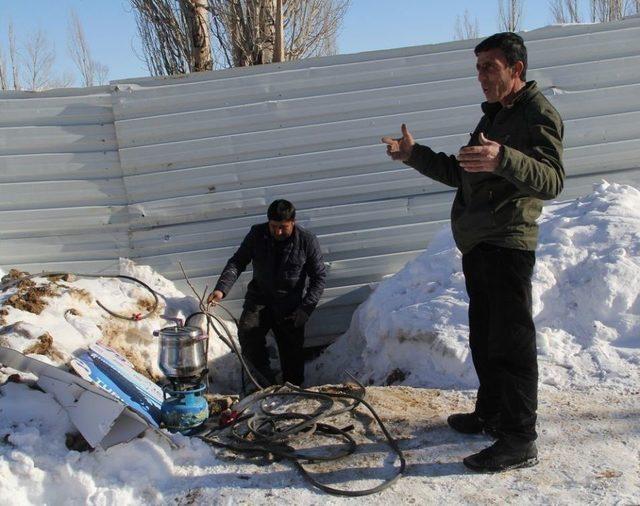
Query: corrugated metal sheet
(62,196)
(169,170)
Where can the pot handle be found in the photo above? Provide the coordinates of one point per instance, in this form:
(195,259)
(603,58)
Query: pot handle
(179,321)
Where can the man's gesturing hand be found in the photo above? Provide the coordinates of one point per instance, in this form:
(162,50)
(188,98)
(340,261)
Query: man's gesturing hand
(215,297)
(483,158)
(400,149)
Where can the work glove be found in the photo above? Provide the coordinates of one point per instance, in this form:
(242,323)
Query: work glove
(299,317)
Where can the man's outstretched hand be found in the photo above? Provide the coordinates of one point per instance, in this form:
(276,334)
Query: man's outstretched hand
(215,297)
(400,149)
(483,158)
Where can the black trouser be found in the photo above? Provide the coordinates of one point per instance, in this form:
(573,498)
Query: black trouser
(254,324)
(502,337)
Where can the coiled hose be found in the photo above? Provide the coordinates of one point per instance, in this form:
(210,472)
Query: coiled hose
(258,429)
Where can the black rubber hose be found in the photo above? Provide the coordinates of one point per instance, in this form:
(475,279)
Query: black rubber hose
(231,344)
(267,437)
(276,444)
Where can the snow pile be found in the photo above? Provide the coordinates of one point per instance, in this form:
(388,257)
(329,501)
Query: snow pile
(61,318)
(414,322)
(586,295)
(413,329)
(37,467)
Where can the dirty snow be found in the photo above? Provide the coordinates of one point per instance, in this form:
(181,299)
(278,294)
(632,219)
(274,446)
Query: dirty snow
(411,331)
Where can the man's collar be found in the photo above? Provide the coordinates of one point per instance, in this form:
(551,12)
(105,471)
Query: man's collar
(493,108)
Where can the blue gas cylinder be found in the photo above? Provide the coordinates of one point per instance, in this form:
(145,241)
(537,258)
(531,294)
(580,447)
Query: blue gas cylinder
(183,410)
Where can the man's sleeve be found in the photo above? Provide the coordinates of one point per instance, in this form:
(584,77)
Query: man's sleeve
(236,265)
(538,173)
(438,166)
(317,274)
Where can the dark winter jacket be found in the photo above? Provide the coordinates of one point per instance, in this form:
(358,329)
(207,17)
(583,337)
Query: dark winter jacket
(501,208)
(280,271)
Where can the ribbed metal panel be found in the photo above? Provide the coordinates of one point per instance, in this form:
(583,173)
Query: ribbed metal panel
(177,170)
(62,196)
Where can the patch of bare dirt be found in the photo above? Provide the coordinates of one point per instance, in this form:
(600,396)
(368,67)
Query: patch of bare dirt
(72,311)
(147,304)
(81,294)
(30,297)
(77,293)
(193,496)
(395,376)
(418,405)
(13,274)
(125,339)
(75,441)
(45,346)
(65,276)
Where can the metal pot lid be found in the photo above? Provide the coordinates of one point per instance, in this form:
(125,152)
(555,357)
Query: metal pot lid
(181,332)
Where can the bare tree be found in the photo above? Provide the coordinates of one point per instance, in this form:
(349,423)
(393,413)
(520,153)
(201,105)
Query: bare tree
(14,57)
(101,73)
(196,16)
(243,32)
(91,71)
(565,11)
(170,30)
(4,81)
(311,27)
(38,62)
(278,44)
(604,11)
(607,10)
(64,80)
(510,15)
(32,64)
(465,28)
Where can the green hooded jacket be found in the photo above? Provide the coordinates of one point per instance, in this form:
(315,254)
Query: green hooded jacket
(501,207)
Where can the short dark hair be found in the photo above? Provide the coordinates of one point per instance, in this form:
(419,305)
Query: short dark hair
(511,45)
(281,210)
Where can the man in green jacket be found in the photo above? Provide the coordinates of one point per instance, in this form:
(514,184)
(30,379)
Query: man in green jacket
(512,162)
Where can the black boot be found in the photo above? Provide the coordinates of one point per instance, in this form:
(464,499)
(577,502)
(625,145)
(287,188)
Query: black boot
(471,423)
(503,455)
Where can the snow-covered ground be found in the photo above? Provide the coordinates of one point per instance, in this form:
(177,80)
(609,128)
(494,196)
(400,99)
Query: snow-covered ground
(412,331)
(586,305)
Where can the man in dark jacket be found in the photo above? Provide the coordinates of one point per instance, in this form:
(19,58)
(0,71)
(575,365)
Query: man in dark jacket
(283,255)
(512,162)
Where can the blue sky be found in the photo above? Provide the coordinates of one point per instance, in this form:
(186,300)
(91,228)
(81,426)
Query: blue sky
(370,24)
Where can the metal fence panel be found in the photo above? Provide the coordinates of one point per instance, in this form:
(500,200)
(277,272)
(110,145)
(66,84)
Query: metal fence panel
(169,170)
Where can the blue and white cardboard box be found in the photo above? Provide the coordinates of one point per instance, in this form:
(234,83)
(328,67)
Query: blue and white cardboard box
(101,418)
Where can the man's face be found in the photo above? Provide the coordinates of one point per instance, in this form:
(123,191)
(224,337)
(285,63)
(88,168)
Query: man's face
(497,79)
(281,230)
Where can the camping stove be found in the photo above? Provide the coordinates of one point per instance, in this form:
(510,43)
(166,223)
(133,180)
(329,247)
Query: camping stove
(183,360)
